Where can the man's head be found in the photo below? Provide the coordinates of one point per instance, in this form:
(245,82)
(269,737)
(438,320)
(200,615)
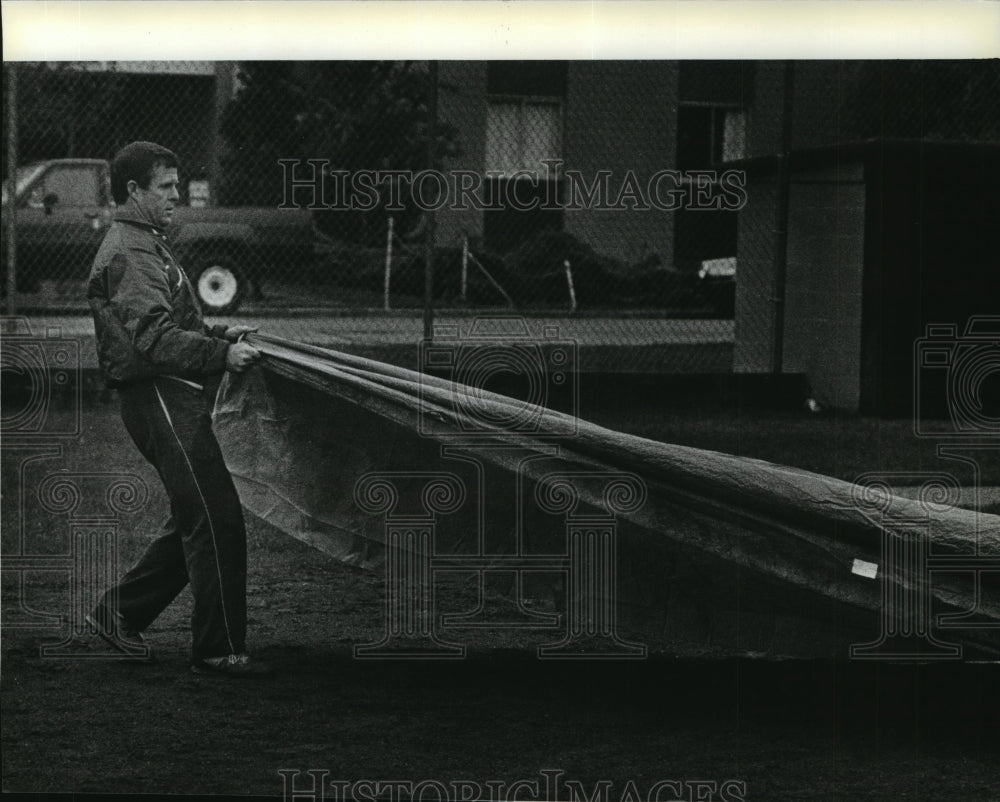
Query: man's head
(146,174)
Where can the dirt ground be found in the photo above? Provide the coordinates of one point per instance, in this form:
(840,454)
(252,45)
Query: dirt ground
(778,731)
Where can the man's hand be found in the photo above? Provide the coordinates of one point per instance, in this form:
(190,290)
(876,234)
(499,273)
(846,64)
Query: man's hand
(240,356)
(233,333)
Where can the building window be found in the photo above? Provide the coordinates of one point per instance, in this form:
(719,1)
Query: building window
(708,135)
(711,130)
(521,133)
(524,128)
(734,134)
(711,118)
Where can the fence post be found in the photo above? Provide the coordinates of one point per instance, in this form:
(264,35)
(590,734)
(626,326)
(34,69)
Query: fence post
(465,268)
(569,282)
(224,81)
(491,280)
(783,178)
(429,240)
(11,221)
(388,266)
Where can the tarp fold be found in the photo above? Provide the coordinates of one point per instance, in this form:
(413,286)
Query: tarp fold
(715,554)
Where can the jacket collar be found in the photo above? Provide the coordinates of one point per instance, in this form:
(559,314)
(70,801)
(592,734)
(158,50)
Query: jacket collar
(129,214)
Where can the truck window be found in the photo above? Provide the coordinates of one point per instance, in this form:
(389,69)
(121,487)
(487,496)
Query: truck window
(73,185)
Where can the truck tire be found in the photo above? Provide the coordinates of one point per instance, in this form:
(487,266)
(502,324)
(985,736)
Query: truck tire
(219,283)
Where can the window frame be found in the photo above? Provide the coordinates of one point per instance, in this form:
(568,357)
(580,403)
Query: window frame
(521,101)
(717,109)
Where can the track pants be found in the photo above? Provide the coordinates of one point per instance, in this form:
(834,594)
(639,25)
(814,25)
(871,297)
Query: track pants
(204,538)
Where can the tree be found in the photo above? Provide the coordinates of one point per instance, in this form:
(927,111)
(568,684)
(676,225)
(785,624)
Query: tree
(364,115)
(943,100)
(66,110)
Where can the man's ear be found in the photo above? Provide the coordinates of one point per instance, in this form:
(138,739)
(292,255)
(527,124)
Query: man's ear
(131,187)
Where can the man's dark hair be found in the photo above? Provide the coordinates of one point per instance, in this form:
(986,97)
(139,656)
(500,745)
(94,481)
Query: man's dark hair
(136,162)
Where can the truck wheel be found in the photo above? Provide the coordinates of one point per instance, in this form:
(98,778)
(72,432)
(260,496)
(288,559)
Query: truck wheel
(219,284)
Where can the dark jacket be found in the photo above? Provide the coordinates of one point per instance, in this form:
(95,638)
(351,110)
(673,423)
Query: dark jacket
(146,316)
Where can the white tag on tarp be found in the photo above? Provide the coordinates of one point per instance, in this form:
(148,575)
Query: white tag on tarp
(865,569)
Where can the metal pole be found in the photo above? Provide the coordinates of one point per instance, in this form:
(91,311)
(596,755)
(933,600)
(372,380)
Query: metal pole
(491,280)
(429,240)
(223,95)
(569,282)
(465,268)
(783,179)
(388,267)
(11,221)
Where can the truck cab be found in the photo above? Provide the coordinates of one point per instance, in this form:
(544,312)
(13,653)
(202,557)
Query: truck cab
(63,210)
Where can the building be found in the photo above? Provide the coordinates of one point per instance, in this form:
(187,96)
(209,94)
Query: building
(611,127)
(885,215)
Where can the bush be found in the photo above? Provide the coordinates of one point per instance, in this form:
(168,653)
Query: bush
(539,262)
(408,277)
(665,288)
(351,266)
(533,274)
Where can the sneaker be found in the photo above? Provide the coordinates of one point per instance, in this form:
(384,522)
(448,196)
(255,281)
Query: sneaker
(112,628)
(232,665)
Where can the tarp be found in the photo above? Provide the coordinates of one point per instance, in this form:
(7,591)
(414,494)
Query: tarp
(692,552)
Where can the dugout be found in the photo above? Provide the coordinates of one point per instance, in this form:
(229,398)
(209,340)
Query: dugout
(884,238)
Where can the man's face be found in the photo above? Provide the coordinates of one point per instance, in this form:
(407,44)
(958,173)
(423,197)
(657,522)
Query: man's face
(157,203)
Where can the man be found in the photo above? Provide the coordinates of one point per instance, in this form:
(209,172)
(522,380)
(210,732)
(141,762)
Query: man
(155,348)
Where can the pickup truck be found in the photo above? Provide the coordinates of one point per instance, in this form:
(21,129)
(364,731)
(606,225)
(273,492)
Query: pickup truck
(63,209)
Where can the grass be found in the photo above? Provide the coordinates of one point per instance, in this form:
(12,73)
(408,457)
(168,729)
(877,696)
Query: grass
(815,731)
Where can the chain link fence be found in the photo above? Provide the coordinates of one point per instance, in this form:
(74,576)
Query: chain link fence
(648,198)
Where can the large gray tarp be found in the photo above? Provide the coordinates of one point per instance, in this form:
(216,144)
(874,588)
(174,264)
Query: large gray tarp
(713,554)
